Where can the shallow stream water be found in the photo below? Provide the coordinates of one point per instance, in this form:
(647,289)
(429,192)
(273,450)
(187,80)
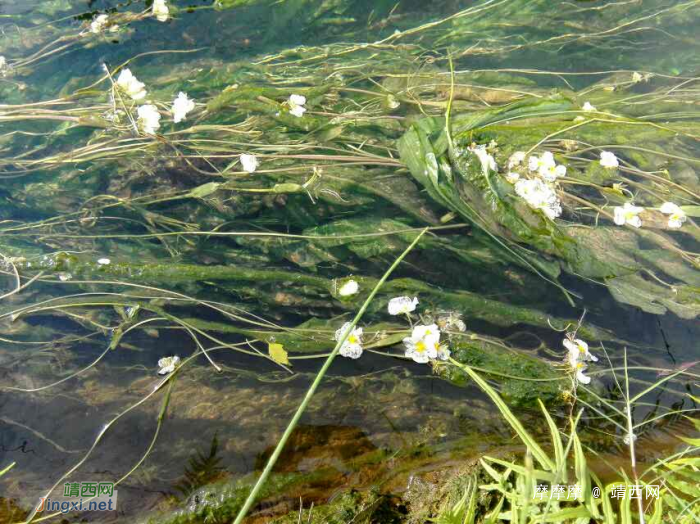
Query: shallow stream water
(99,227)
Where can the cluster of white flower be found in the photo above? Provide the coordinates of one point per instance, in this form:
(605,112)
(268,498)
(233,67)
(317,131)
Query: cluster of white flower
(629,214)
(424,344)
(578,356)
(148,114)
(546,167)
(676,216)
(539,193)
(249,163)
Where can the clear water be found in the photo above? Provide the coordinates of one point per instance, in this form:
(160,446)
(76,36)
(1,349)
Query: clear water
(378,406)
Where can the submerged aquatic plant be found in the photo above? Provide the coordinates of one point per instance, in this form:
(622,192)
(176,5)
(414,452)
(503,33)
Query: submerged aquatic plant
(225,260)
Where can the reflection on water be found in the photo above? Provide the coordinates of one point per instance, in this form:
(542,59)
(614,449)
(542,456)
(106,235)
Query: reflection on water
(126,245)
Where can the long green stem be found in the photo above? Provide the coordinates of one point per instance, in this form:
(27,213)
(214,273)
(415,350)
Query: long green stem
(314,386)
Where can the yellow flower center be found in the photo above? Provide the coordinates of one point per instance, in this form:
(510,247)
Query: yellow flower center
(352,339)
(579,365)
(420,347)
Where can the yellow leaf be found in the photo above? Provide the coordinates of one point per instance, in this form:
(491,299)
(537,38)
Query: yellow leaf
(278,353)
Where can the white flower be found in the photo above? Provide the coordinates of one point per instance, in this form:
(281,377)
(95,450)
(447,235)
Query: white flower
(149,118)
(488,163)
(512,177)
(130,85)
(181,106)
(552,172)
(352,347)
(161,10)
(104,261)
(167,365)
(535,163)
(249,163)
(99,23)
(296,105)
(676,214)
(588,107)
(516,159)
(580,368)
(402,305)
(627,214)
(578,350)
(422,345)
(539,195)
(608,160)
(636,77)
(3,63)
(297,100)
(349,288)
